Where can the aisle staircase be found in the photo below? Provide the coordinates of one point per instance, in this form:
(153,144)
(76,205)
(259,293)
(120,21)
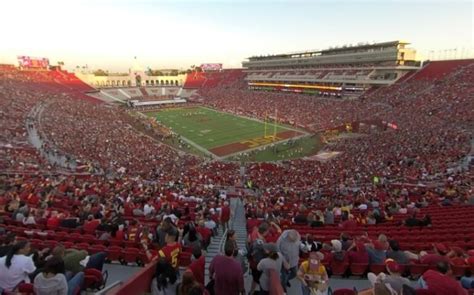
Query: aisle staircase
(237,223)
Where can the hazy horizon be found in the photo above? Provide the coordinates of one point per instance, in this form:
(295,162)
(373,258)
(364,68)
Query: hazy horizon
(108,34)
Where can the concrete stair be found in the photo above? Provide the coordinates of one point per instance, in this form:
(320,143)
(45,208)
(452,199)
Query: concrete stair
(237,223)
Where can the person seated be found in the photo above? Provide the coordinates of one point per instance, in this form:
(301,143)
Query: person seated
(412,221)
(52,280)
(91,224)
(337,254)
(393,281)
(357,253)
(76,261)
(377,250)
(396,254)
(438,255)
(313,276)
(16,266)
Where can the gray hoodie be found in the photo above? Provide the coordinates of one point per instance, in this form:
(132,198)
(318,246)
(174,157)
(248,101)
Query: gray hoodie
(56,285)
(289,249)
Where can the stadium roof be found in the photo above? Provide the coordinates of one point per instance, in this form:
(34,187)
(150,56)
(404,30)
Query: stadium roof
(330,50)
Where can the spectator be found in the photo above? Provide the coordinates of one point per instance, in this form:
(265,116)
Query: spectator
(172,249)
(189,285)
(337,254)
(274,262)
(313,276)
(255,251)
(76,261)
(396,254)
(227,273)
(377,250)
(289,246)
(393,279)
(16,266)
(197,265)
(165,280)
(225,216)
(438,255)
(192,238)
(358,254)
(51,280)
(165,226)
(440,282)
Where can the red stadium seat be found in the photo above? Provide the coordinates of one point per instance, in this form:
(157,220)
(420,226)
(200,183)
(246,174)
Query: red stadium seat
(339,268)
(377,268)
(358,269)
(131,255)
(114,253)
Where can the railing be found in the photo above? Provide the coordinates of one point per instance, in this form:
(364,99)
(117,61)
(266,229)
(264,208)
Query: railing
(108,288)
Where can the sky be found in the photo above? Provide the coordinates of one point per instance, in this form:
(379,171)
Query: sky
(179,33)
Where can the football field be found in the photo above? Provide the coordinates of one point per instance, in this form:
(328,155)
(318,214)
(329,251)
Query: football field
(222,134)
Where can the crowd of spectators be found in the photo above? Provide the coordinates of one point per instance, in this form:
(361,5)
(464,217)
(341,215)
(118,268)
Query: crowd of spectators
(166,203)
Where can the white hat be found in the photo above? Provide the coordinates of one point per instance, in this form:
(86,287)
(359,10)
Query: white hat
(336,245)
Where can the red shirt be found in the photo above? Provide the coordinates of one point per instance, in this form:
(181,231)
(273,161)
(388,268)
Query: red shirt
(228,276)
(53,223)
(470,261)
(197,267)
(171,253)
(358,257)
(440,284)
(33,199)
(205,233)
(225,214)
(457,261)
(133,233)
(90,226)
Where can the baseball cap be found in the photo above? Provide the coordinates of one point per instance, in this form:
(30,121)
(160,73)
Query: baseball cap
(392,265)
(441,248)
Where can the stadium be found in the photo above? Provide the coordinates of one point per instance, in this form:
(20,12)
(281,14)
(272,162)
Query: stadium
(345,170)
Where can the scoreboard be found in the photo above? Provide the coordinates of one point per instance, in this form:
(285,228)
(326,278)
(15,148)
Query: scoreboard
(211,67)
(29,62)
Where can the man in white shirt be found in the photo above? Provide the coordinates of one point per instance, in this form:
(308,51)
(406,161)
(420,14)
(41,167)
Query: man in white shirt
(148,209)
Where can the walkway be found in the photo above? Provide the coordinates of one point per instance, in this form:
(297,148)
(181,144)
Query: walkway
(238,224)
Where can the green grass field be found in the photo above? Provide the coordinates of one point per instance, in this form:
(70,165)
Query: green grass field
(209,129)
(306,146)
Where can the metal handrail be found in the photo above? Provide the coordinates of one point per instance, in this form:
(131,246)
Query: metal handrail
(108,288)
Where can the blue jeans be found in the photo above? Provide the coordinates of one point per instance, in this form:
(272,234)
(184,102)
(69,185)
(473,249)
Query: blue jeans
(75,283)
(287,275)
(467,282)
(97,261)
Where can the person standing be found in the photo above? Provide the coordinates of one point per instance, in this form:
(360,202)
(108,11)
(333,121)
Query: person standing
(172,249)
(225,216)
(273,262)
(227,273)
(289,245)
